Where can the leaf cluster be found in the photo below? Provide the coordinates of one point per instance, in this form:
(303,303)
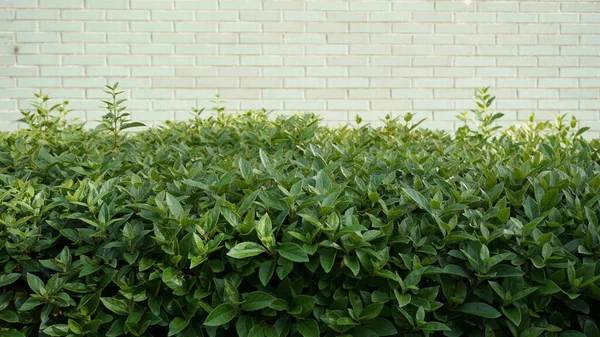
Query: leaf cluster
(251,226)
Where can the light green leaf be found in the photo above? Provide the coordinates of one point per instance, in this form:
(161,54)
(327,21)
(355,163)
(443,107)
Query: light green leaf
(479,309)
(246,249)
(292,252)
(220,315)
(308,328)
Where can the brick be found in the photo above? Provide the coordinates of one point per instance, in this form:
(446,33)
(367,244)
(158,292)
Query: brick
(370,27)
(37,60)
(497,28)
(454,6)
(128,37)
(18,26)
(370,6)
(475,17)
(19,4)
(104,27)
(106,4)
(558,83)
(195,27)
(305,38)
(538,50)
(562,104)
(552,61)
(390,60)
(579,72)
(497,50)
(107,71)
(454,72)
(537,72)
(128,60)
(590,18)
(173,38)
(193,49)
(37,37)
(412,93)
(585,39)
(61,49)
(151,4)
(346,82)
(151,26)
(88,60)
(348,104)
(87,82)
(380,39)
(516,82)
(239,27)
(173,82)
(282,93)
(152,93)
(438,104)
(516,39)
(61,4)
(475,39)
(454,50)
(389,17)
(578,29)
(306,82)
(473,82)
(283,5)
(414,28)
(305,105)
(325,93)
(539,7)
(172,60)
(370,50)
(580,50)
(408,71)
(128,15)
(154,48)
(411,6)
(242,49)
(260,38)
(347,16)
(558,17)
(262,60)
(195,4)
(455,28)
(369,93)
(496,72)
(442,61)
(308,16)
(453,93)
(265,82)
(295,27)
(191,71)
(474,61)
(34,14)
(559,40)
(589,83)
(590,7)
(589,61)
(579,93)
(538,93)
(433,39)
(432,82)
(216,38)
(284,72)
(413,50)
(326,71)
(35,82)
(326,5)
(171,15)
(261,16)
(432,17)
(324,50)
(539,28)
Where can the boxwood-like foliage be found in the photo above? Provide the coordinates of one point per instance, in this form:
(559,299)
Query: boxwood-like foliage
(249,226)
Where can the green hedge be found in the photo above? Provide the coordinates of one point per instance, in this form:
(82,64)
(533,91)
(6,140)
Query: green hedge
(250,226)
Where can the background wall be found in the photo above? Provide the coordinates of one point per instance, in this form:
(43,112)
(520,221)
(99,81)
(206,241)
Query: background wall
(337,58)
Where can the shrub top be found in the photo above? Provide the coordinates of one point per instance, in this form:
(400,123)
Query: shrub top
(246,226)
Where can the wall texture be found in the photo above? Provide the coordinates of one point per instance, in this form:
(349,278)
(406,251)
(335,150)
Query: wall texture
(337,58)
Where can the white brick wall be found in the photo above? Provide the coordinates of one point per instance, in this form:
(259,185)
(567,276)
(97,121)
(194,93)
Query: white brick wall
(336,58)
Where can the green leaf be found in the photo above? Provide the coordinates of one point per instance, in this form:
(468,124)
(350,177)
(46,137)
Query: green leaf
(246,169)
(327,259)
(220,315)
(176,325)
(435,326)
(7,279)
(352,263)
(257,300)
(246,249)
(479,309)
(513,314)
(382,327)
(265,271)
(371,311)
(418,198)
(308,328)
(9,316)
(571,333)
(117,306)
(11,333)
(36,284)
(531,332)
(292,252)
(174,206)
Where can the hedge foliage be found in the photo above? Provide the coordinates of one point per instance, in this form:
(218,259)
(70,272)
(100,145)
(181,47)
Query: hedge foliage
(251,226)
